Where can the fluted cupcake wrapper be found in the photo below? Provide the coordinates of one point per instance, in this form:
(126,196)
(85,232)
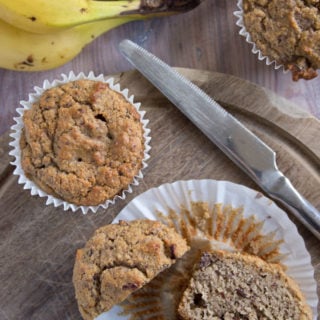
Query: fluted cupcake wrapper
(237,219)
(255,50)
(16,134)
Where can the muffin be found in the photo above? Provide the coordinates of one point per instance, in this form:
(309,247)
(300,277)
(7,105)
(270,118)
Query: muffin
(121,258)
(228,285)
(287,32)
(82,142)
(215,215)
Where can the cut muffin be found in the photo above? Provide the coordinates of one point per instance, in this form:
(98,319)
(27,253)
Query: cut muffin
(121,258)
(228,285)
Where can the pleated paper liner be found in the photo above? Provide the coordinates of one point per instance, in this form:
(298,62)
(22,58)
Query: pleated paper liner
(220,215)
(16,134)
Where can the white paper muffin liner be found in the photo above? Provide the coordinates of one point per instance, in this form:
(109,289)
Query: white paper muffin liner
(16,134)
(243,32)
(251,216)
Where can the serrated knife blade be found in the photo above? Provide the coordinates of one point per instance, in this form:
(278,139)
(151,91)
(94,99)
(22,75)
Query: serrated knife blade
(248,151)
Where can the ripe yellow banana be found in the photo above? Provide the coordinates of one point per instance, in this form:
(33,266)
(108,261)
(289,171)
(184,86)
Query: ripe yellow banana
(44,16)
(60,32)
(25,51)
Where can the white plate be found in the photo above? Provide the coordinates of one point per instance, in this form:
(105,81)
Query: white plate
(275,221)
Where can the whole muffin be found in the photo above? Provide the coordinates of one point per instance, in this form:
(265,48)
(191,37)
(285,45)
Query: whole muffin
(82,142)
(286,31)
(119,259)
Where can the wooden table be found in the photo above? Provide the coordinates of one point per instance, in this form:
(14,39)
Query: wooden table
(205,38)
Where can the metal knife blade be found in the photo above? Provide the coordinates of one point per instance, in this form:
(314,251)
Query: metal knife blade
(248,151)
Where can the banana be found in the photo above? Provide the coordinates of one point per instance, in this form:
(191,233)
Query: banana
(46,16)
(25,51)
(42,34)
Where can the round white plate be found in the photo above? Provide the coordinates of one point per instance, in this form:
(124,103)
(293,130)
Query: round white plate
(172,196)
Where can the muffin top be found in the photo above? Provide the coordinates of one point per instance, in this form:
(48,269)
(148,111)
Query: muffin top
(232,285)
(287,31)
(82,142)
(121,258)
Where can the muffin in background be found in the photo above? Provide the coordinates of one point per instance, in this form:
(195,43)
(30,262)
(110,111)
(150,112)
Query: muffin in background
(81,141)
(286,32)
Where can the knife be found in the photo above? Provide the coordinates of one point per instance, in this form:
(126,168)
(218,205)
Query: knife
(248,151)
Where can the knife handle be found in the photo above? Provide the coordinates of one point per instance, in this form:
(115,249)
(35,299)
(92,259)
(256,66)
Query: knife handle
(285,193)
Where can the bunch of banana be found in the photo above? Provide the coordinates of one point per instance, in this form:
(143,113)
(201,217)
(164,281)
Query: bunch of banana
(43,34)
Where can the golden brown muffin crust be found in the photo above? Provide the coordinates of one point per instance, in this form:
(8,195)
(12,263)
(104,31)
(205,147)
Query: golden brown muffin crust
(287,31)
(121,258)
(82,142)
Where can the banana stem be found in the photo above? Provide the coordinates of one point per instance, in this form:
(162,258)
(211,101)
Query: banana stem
(138,9)
(146,7)
(40,16)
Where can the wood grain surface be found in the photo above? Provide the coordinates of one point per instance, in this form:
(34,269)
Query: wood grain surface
(205,38)
(38,242)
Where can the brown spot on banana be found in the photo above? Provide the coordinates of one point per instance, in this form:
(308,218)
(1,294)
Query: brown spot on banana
(32,18)
(29,61)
